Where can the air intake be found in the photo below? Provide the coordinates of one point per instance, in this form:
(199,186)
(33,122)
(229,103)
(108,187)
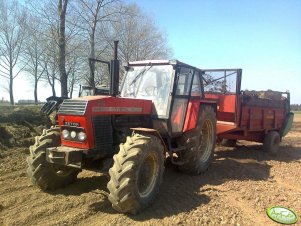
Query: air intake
(73,107)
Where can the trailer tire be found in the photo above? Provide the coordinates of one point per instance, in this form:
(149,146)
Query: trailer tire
(43,174)
(136,174)
(200,143)
(228,142)
(271,143)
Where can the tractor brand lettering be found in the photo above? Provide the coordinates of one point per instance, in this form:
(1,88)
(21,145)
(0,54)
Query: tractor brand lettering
(116,109)
(72,124)
(282,215)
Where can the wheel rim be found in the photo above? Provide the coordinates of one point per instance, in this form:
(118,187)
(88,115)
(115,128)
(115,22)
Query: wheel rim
(206,141)
(147,176)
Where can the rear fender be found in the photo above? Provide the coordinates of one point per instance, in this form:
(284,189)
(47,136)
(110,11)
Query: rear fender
(193,111)
(287,125)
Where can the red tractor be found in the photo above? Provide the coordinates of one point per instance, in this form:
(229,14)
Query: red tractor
(160,111)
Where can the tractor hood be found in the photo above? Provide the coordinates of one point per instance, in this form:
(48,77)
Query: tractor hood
(105,105)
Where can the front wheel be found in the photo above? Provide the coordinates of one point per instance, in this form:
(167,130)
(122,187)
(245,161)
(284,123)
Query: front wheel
(136,174)
(45,175)
(200,143)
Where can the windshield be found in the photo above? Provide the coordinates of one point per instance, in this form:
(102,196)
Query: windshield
(151,83)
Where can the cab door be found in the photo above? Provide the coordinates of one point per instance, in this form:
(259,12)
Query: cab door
(181,96)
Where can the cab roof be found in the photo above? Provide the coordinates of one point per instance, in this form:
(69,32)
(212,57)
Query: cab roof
(159,62)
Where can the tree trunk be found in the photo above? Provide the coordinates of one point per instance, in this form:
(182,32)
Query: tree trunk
(11,93)
(36,90)
(53,90)
(52,86)
(71,90)
(62,7)
(92,56)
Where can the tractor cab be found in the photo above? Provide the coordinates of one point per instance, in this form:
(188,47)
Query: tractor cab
(173,88)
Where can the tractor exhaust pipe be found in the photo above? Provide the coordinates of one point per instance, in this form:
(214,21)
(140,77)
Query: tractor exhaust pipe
(114,75)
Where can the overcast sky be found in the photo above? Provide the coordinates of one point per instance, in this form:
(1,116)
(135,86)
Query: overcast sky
(261,37)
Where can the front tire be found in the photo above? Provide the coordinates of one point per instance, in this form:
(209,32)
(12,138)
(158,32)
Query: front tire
(136,174)
(43,174)
(200,143)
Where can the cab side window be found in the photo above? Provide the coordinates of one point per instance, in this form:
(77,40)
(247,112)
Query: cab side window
(184,81)
(196,85)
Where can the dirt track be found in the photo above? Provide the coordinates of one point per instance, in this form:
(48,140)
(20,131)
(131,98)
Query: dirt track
(241,183)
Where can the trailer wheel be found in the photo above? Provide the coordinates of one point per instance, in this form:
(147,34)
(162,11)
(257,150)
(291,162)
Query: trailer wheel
(228,142)
(271,142)
(136,174)
(43,174)
(200,143)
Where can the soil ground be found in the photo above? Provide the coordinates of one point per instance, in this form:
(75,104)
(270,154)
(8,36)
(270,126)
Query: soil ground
(236,190)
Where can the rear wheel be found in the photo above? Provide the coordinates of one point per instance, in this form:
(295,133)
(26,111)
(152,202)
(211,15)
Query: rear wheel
(136,174)
(45,175)
(200,143)
(271,142)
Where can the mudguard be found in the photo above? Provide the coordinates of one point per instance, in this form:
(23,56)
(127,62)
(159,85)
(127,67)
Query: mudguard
(287,125)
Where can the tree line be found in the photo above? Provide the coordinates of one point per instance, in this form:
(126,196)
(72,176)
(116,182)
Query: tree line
(51,41)
(295,107)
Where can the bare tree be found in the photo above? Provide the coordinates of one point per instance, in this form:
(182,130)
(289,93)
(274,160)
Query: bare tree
(51,64)
(46,12)
(78,29)
(34,50)
(12,34)
(139,37)
(62,38)
(92,13)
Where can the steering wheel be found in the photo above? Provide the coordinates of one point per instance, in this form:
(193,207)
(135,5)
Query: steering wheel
(150,90)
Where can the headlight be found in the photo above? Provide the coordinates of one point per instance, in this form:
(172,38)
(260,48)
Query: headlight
(82,136)
(65,133)
(73,134)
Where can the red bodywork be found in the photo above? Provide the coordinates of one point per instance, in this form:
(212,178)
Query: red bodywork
(237,119)
(102,105)
(192,115)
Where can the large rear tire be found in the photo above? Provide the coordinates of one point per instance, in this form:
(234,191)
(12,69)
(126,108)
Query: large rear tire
(200,143)
(43,174)
(136,174)
(271,143)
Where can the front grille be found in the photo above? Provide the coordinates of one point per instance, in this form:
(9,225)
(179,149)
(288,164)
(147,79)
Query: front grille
(103,134)
(73,107)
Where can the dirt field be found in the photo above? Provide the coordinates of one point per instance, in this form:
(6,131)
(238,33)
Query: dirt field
(239,186)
